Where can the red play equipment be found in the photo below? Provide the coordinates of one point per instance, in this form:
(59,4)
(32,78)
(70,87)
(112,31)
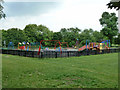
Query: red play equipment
(48,40)
(82,48)
(62,43)
(22,47)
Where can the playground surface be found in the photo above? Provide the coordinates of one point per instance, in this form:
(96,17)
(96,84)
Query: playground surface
(99,71)
(59,46)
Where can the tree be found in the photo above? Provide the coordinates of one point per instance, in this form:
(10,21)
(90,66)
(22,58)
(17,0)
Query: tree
(4,36)
(43,33)
(114,4)
(109,24)
(0,38)
(97,36)
(2,14)
(31,32)
(36,33)
(14,35)
(70,35)
(57,36)
(85,35)
(117,39)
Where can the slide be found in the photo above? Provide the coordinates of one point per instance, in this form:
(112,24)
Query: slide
(82,48)
(107,47)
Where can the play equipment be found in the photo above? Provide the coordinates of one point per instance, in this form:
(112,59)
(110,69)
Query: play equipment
(106,43)
(47,48)
(77,44)
(40,47)
(10,45)
(21,45)
(27,47)
(24,46)
(95,46)
(62,44)
(58,49)
(83,48)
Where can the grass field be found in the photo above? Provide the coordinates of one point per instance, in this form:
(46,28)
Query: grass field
(0,71)
(98,71)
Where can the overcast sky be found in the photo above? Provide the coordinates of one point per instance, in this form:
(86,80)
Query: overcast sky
(55,14)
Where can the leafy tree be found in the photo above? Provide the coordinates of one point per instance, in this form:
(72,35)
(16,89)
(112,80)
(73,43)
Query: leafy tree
(14,35)
(70,35)
(43,33)
(97,36)
(2,14)
(0,38)
(4,36)
(31,32)
(75,32)
(117,39)
(85,35)
(57,36)
(63,32)
(109,24)
(90,34)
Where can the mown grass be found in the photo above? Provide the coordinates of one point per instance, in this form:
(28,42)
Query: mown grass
(0,71)
(98,71)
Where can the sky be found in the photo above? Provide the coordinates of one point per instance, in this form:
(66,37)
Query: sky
(54,14)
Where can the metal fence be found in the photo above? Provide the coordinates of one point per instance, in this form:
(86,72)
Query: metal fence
(56,54)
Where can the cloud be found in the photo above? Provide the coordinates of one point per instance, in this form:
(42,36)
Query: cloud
(66,14)
(28,8)
(33,0)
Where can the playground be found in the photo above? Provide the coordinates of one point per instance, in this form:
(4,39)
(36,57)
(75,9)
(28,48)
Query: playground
(60,46)
(60,49)
(61,66)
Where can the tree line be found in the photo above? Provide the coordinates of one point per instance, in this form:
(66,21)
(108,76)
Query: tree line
(36,33)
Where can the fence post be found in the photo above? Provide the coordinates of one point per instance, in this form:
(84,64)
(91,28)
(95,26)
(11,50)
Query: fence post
(18,52)
(32,53)
(87,52)
(77,53)
(56,54)
(68,53)
(41,54)
(110,50)
(25,53)
(1,51)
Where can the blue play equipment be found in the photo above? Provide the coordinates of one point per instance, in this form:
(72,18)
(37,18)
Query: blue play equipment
(58,49)
(10,45)
(87,43)
(106,41)
(27,47)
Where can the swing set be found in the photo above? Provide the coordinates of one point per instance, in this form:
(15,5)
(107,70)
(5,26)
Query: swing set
(40,47)
(61,44)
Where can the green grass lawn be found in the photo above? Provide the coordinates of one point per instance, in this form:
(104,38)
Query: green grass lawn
(98,71)
(0,71)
